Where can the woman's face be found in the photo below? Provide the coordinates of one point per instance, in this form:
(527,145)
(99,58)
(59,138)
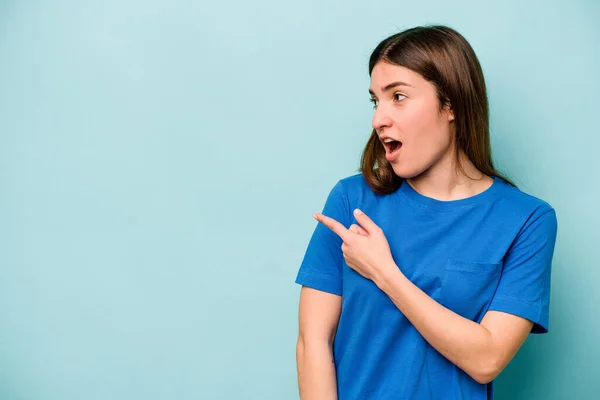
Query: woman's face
(407,110)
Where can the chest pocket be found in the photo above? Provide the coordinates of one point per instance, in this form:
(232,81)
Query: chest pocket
(468,287)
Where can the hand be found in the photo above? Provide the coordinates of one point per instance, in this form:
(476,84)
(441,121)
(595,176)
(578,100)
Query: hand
(366,249)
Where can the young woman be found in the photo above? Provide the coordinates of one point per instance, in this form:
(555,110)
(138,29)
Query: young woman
(428,270)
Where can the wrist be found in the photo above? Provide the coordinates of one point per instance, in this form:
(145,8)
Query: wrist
(387,276)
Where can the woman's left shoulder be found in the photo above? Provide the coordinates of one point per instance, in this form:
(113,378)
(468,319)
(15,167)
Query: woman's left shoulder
(522,202)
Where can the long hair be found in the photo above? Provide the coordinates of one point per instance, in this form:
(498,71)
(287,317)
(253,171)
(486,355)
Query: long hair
(444,58)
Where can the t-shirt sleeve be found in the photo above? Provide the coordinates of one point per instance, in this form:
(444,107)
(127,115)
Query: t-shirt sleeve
(524,287)
(321,267)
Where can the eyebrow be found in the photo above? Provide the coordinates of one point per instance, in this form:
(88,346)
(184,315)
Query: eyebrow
(391,86)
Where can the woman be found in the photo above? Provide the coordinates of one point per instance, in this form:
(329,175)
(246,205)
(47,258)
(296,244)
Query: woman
(445,266)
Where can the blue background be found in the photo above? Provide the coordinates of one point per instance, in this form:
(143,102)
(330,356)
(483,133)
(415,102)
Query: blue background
(160,162)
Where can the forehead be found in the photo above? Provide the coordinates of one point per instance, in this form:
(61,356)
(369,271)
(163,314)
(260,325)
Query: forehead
(384,73)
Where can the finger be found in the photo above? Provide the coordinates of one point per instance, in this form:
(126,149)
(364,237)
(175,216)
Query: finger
(334,225)
(367,224)
(357,229)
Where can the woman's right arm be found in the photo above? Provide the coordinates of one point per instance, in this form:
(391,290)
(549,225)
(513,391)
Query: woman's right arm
(319,314)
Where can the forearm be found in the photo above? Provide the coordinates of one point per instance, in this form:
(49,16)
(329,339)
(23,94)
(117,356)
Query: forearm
(316,370)
(465,343)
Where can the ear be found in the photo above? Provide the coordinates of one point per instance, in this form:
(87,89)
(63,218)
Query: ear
(450,113)
(447,108)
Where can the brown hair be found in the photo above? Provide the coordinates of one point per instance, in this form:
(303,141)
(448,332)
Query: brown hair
(444,58)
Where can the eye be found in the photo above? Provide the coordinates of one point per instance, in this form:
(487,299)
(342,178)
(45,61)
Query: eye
(374,101)
(396,95)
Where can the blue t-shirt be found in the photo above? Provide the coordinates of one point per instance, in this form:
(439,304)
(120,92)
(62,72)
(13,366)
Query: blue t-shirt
(491,251)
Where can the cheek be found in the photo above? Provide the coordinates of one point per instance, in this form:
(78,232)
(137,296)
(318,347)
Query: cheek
(426,137)
(421,126)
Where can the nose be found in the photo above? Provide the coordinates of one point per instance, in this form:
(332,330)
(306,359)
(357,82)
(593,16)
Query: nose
(381,119)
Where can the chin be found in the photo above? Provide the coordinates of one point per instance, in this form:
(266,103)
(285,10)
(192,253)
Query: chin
(406,173)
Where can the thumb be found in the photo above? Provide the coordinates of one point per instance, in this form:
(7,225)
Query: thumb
(368,225)
(357,229)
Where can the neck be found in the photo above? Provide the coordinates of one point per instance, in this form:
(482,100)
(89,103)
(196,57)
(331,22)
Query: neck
(445,182)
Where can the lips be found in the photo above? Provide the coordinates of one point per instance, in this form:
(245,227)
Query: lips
(392,149)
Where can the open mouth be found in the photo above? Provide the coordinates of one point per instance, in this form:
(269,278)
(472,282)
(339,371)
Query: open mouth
(391,148)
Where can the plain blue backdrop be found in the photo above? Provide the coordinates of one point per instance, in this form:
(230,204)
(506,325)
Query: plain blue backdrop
(160,162)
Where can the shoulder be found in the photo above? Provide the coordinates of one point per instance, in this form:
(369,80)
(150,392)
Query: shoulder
(524,207)
(520,200)
(356,188)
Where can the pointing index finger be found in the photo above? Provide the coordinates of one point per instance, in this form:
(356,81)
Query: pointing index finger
(332,224)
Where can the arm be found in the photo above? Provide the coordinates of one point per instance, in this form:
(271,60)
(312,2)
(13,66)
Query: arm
(481,350)
(319,314)
(521,299)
